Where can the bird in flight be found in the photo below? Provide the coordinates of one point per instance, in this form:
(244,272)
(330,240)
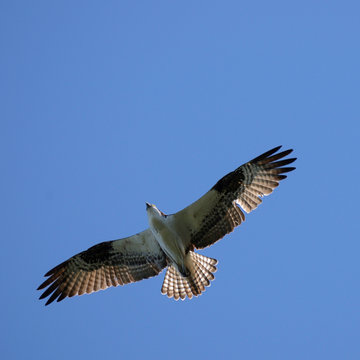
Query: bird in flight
(170,240)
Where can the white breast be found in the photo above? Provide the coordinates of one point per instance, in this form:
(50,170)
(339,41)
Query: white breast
(168,239)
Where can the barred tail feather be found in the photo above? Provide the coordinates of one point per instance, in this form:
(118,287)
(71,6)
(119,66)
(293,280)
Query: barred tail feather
(179,287)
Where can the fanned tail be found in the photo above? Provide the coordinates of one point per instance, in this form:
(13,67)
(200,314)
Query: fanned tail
(179,287)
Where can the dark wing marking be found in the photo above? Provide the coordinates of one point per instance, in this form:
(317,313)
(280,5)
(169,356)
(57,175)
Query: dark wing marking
(110,263)
(216,213)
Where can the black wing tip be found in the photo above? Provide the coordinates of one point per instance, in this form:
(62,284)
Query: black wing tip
(270,152)
(275,149)
(43,285)
(267,159)
(279,154)
(50,287)
(288,169)
(267,154)
(50,300)
(40,287)
(292,160)
(272,155)
(57,268)
(42,296)
(54,296)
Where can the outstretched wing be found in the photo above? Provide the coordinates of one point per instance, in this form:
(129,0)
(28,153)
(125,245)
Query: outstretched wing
(216,213)
(110,263)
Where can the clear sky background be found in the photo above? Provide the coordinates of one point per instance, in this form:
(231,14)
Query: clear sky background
(106,105)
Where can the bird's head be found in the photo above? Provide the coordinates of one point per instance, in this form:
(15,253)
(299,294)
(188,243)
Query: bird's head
(152,209)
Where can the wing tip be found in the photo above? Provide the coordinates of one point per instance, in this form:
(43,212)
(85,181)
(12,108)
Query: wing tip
(267,154)
(41,286)
(270,157)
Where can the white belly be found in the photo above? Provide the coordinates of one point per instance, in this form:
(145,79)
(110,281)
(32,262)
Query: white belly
(169,242)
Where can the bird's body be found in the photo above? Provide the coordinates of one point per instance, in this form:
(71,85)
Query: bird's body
(170,240)
(167,237)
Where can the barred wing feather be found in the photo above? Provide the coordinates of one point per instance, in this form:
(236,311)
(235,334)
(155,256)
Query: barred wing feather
(219,211)
(110,263)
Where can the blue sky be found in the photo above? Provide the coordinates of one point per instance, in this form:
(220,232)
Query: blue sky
(106,105)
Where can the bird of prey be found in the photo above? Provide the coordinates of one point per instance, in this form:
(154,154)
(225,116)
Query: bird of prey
(170,240)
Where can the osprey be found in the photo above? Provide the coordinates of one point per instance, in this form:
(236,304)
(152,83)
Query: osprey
(170,240)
